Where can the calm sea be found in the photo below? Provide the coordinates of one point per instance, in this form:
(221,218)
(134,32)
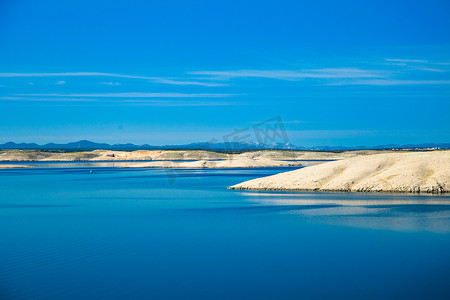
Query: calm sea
(68,233)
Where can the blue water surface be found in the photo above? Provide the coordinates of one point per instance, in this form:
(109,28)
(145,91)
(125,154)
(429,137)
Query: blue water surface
(68,233)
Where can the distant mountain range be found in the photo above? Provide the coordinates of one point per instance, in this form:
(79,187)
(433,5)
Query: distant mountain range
(88,145)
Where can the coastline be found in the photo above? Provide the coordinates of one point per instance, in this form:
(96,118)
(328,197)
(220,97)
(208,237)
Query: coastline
(351,171)
(18,155)
(175,159)
(416,172)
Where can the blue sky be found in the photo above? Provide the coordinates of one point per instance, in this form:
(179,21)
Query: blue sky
(169,72)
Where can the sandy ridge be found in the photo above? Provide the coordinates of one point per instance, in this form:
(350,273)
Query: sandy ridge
(208,164)
(146,155)
(413,172)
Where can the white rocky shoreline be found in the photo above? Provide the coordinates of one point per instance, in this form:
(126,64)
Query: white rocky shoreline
(413,172)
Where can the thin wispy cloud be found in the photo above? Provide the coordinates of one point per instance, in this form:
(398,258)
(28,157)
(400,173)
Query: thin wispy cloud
(128,102)
(293,74)
(60,82)
(39,99)
(179,103)
(401,60)
(70,74)
(426,69)
(392,82)
(110,83)
(179,82)
(161,80)
(414,64)
(133,95)
(394,64)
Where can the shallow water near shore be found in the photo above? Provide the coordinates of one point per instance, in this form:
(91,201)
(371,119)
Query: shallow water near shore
(67,233)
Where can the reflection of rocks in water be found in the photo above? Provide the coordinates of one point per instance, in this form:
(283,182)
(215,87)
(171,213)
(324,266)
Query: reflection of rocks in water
(435,218)
(376,211)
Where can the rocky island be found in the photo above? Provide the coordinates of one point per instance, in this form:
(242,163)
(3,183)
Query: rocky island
(406,172)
